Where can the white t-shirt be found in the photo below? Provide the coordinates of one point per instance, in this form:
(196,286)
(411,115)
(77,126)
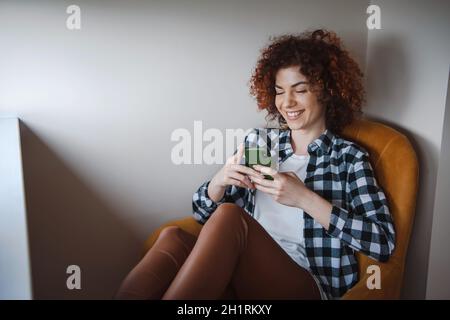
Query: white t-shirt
(285,224)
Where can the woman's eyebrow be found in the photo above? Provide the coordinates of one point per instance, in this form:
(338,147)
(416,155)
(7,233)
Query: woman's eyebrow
(294,85)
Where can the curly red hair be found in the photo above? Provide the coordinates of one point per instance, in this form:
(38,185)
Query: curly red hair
(334,75)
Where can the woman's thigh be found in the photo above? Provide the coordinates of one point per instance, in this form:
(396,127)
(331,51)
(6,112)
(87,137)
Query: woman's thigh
(266,271)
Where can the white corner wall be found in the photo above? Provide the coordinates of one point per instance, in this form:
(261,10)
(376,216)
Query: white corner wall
(15,273)
(438,285)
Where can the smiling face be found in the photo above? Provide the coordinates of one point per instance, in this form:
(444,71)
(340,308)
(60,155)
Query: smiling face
(296,101)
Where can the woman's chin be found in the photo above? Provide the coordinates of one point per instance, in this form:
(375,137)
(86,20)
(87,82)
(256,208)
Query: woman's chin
(295,125)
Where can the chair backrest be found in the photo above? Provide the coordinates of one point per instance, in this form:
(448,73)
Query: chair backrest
(396,168)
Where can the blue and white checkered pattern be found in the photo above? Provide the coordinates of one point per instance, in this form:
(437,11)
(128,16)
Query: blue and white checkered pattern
(339,171)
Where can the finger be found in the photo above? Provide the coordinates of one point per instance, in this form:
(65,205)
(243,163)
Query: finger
(242,178)
(246,170)
(239,177)
(266,170)
(263,182)
(237,183)
(239,154)
(265,189)
(249,183)
(245,183)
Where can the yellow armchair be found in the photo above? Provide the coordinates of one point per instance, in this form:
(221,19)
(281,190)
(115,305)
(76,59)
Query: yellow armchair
(396,167)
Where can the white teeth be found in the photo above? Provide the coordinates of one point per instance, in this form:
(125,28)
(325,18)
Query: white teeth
(293,114)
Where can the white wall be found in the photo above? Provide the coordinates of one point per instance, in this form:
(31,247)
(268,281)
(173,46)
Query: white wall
(98,107)
(15,276)
(438,285)
(407,72)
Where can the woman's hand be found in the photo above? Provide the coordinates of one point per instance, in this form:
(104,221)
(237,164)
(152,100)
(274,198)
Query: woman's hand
(232,173)
(285,188)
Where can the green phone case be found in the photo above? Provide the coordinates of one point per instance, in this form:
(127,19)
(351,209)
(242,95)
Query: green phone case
(258,156)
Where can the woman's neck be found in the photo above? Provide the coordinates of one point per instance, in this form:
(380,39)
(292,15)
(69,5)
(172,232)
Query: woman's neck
(300,139)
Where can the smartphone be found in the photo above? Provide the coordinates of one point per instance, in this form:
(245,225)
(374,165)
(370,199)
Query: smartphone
(258,156)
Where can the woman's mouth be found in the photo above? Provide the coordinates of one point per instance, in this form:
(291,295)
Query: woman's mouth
(294,114)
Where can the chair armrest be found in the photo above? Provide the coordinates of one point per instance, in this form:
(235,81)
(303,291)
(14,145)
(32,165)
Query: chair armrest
(390,285)
(188,224)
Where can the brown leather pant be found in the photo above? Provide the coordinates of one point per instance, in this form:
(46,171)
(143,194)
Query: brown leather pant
(233,257)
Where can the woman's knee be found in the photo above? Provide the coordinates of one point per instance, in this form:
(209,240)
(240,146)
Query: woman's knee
(176,234)
(228,210)
(170,232)
(228,213)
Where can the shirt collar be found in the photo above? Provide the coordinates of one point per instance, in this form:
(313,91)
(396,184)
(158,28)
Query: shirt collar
(322,144)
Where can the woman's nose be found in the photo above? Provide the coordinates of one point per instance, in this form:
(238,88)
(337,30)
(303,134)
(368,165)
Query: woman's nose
(288,101)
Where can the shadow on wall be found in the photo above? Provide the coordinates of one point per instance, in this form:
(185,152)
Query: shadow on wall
(389,93)
(388,62)
(69,224)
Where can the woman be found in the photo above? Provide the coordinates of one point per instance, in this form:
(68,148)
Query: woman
(293,237)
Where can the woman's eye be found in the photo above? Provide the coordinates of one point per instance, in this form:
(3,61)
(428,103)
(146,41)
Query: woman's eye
(278,93)
(302,91)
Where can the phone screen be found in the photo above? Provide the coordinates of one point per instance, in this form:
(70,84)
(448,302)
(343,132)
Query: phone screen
(258,156)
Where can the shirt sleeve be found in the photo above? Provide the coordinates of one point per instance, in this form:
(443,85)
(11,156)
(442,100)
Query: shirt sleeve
(367,226)
(203,206)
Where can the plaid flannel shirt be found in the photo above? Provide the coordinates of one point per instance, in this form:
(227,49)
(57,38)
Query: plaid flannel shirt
(339,171)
